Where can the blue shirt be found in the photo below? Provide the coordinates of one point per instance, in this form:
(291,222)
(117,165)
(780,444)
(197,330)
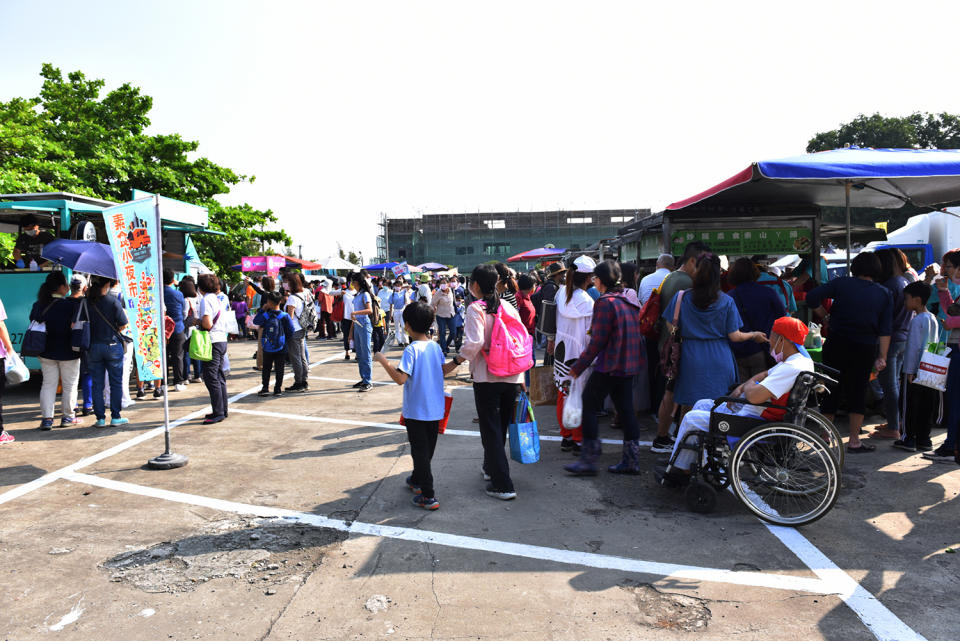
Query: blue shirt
(422,362)
(173,301)
(100,329)
(758,306)
(594,293)
(360,302)
(862,310)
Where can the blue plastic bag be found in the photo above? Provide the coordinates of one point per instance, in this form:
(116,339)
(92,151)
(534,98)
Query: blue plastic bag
(524,437)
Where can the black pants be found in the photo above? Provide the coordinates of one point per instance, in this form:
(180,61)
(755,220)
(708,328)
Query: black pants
(216,380)
(923,404)
(423,441)
(658,383)
(855,362)
(326,328)
(175,356)
(495,406)
(378,339)
(273,360)
(620,389)
(345,328)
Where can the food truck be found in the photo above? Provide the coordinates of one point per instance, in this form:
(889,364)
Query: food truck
(66,215)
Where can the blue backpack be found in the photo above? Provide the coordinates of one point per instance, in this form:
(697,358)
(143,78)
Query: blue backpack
(274,340)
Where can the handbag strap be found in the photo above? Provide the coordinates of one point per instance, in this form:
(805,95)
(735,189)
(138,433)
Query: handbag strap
(43,314)
(82,308)
(676,309)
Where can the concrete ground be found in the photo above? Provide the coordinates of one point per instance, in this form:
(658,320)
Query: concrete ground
(292,521)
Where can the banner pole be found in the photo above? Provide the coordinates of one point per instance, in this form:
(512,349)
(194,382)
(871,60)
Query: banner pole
(167,460)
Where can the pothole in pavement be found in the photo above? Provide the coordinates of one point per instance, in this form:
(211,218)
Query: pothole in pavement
(667,610)
(258,551)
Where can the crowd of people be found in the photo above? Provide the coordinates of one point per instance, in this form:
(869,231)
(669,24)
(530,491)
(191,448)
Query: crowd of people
(692,330)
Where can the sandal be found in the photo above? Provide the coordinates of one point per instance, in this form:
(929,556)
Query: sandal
(864,447)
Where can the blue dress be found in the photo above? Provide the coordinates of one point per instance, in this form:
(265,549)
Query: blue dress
(707,366)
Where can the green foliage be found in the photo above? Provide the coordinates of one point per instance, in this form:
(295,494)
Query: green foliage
(350,256)
(7,241)
(72,139)
(916,131)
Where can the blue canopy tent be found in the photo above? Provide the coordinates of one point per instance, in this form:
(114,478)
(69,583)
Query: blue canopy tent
(380,267)
(851,177)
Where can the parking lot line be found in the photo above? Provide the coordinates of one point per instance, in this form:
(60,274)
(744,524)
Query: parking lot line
(347,380)
(392,426)
(556,555)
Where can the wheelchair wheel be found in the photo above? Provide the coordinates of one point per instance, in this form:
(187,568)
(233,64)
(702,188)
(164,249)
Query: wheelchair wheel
(700,497)
(785,474)
(822,427)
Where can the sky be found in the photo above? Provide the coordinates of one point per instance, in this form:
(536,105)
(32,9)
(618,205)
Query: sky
(346,110)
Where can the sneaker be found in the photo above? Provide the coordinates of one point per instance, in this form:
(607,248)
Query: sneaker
(6,437)
(69,421)
(87,411)
(907,444)
(141,393)
(428,504)
(939,455)
(413,488)
(483,473)
(503,495)
(213,419)
(46,424)
(366,387)
(358,385)
(296,387)
(347,357)
(158,392)
(925,447)
(196,379)
(100,423)
(125,403)
(278,392)
(566,445)
(662,445)
(185,382)
(264,392)
(118,421)
(179,387)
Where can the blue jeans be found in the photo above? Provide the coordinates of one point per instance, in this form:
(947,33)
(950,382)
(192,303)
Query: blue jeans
(890,382)
(106,359)
(362,344)
(446,332)
(86,382)
(952,397)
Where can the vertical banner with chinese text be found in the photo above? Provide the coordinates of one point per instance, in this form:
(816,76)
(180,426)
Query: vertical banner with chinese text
(135,240)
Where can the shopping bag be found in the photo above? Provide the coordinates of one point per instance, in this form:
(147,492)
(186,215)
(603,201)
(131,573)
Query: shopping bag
(201,347)
(573,404)
(169,325)
(542,389)
(80,329)
(15,370)
(447,404)
(932,370)
(230,324)
(524,438)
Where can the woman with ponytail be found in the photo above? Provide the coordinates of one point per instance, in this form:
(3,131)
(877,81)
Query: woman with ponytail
(507,286)
(58,362)
(615,353)
(709,322)
(495,396)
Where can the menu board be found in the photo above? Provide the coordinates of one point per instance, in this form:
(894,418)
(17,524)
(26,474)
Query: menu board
(746,241)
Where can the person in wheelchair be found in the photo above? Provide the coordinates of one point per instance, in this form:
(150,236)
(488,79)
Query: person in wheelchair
(773,385)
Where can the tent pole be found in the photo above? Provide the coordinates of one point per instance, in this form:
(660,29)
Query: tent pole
(847,186)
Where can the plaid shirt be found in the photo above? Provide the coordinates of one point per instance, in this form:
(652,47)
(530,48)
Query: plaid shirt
(614,338)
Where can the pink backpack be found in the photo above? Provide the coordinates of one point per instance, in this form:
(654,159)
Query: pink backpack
(511,346)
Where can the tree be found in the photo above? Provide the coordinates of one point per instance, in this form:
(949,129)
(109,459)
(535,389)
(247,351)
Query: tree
(69,138)
(916,131)
(351,256)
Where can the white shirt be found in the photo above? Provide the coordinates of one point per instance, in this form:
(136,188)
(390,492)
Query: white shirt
(649,283)
(348,296)
(210,306)
(294,301)
(780,379)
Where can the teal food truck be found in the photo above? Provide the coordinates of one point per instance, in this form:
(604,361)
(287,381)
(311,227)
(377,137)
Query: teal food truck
(65,215)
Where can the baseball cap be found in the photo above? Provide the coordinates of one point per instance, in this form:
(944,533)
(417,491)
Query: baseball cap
(585,265)
(792,329)
(78,281)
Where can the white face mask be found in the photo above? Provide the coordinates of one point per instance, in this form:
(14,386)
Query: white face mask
(444,287)
(778,357)
(31,232)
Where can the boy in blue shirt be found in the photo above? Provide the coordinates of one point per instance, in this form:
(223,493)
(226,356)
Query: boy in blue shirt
(922,402)
(277,332)
(420,371)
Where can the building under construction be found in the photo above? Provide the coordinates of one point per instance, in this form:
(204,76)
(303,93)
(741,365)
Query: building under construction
(465,240)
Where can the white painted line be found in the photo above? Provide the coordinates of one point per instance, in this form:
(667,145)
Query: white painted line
(391,426)
(50,477)
(346,380)
(569,557)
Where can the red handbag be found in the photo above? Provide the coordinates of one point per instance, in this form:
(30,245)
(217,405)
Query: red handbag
(168,326)
(650,315)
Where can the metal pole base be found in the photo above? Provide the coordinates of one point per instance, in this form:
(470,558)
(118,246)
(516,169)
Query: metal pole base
(167,461)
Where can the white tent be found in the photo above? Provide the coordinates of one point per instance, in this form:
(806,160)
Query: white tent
(337,263)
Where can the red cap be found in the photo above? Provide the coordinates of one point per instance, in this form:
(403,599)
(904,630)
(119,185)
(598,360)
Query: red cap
(792,329)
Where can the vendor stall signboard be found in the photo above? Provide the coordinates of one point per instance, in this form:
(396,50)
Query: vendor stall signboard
(268,264)
(746,242)
(134,239)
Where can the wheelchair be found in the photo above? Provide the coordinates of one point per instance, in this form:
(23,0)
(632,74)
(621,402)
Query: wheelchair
(787,471)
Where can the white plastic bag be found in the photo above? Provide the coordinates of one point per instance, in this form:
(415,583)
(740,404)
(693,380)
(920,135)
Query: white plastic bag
(230,324)
(573,404)
(814,338)
(15,370)
(932,371)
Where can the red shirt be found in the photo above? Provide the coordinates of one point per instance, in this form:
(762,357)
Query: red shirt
(528,314)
